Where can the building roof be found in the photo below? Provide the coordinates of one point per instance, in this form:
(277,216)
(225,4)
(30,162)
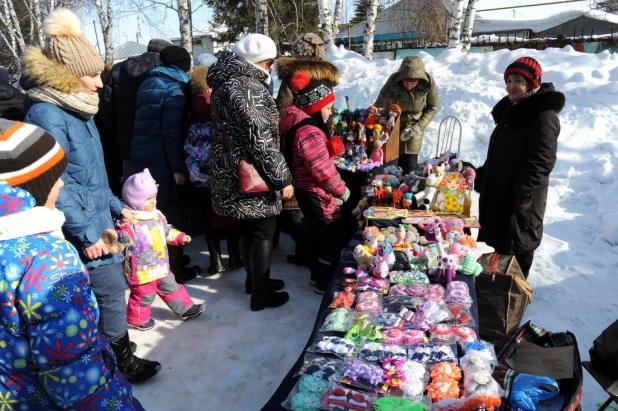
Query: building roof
(129,49)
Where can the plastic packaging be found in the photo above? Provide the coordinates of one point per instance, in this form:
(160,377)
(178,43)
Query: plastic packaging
(474,362)
(488,402)
(398,403)
(369,302)
(361,327)
(526,391)
(432,353)
(393,303)
(481,383)
(435,313)
(405,377)
(307,394)
(464,334)
(461,315)
(409,277)
(435,292)
(343,299)
(440,389)
(483,348)
(444,370)
(379,285)
(458,292)
(322,367)
(337,320)
(362,374)
(441,332)
(326,344)
(376,352)
(395,336)
(415,290)
(339,397)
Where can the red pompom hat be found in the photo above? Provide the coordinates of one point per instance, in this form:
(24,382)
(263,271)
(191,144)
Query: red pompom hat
(311,95)
(528,68)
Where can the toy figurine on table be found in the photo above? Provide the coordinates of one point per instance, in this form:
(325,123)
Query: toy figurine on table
(452,194)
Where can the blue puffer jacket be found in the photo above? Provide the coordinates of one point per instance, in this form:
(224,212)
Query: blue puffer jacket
(161,102)
(86,200)
(52,356)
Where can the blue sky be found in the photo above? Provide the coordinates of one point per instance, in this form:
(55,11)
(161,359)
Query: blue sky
(164,23)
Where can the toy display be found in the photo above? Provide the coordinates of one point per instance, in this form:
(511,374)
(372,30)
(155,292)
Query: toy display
(366,134)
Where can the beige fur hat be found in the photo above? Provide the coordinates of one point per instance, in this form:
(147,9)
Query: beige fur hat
(67,45)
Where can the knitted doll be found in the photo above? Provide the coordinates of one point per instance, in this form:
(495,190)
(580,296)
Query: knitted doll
(377,156)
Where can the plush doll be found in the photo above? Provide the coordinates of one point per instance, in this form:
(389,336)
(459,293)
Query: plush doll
(425,197)
(371,243)
(455,165)
(389,234)
(453,224)
(451,196)
(362,138)
(412,235)
(458,249)
(380,266)
(377,132)
(371,116)
(469,176)
(363,258)
(393,112)
(377,156)
(407,201)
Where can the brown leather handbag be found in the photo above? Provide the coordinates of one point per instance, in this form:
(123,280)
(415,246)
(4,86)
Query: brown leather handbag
(250,180)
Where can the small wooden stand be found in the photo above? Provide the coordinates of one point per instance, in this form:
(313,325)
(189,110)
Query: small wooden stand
(391,149)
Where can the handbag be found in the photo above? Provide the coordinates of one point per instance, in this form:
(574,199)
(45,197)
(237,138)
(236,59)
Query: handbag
(250,180)
(503,294)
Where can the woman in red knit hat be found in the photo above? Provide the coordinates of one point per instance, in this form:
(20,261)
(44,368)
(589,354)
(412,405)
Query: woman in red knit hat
(513,181)
(319,188)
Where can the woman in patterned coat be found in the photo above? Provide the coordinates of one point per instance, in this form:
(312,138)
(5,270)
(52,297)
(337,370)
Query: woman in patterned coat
(246,127)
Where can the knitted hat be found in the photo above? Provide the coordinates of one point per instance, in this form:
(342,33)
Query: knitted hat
(138,188)
(176,56)
(30,159)
(309,46)
(205,60)
(156,45)
(4,76)
(66,44)
(255,47)
(311,95)
(528,68)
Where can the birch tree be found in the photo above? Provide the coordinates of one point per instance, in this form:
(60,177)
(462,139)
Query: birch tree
(455,26)
(261,16)
(107,25)
(10,32)
(184,20)
(326,25)
(468,25)
(337,17)
(37,20)
(370,29)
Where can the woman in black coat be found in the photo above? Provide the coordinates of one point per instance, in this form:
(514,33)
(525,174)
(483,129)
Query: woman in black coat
(513,181)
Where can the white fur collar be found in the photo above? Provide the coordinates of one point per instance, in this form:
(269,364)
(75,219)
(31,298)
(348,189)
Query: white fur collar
(37,220)
(144,215)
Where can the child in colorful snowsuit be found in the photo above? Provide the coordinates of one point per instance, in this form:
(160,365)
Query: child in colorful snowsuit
(146,262)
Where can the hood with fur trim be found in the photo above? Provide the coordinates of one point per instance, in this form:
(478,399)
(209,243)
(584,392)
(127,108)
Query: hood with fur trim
(521,114)
(198,80)
(318,69)
(49,73)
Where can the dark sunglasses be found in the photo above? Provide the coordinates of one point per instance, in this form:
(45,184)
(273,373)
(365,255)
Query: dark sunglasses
(269,62)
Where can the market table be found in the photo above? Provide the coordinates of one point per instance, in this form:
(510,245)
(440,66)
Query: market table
(347,260)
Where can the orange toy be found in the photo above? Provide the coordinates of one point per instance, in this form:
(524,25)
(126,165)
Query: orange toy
(397,198)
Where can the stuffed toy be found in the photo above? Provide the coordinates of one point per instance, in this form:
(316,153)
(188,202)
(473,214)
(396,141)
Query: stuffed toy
(380,266)
(363,258)
(425,197)
(455,165)
(389,234)
(110,239)
(377,156)
(394,111)
(371,120)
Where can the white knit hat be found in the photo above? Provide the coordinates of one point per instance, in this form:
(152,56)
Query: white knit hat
(255,47)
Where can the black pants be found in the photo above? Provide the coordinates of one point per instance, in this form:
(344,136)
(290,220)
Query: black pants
(293,223)
(323,237)
(255,237)
(408,162)
(525,262)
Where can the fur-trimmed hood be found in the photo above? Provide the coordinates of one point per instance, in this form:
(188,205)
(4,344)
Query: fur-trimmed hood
(49,73)
(318,69)
(521,114)
(198,80)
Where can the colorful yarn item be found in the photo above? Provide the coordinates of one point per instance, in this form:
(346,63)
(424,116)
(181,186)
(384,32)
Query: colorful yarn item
(362,374)
(398,404)
(337,320)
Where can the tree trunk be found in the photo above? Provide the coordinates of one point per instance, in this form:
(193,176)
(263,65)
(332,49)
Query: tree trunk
(19,38)
(7,32)
(38,22)
(337,17)
(261,16)
(186,31)
(326,25)
(106,20)
(455,29)
(468,25)
(370,28)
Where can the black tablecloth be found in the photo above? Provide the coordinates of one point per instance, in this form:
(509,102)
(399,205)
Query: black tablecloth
(346,261)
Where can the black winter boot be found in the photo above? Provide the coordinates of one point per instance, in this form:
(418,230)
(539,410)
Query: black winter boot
(214,249)
(134,369)
(246,250)
(233,250)
(262,295)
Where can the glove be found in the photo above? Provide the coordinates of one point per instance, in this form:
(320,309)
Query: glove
(409,132)
(344,197)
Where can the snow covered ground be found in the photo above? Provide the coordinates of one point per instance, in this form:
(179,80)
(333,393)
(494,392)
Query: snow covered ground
(232,358)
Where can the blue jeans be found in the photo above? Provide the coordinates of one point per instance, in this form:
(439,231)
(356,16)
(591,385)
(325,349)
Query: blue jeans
(109,284)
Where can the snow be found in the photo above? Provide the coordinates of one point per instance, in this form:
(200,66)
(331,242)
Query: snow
(232,358)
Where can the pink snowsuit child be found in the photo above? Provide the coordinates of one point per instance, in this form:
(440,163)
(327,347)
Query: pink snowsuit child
(146,262)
